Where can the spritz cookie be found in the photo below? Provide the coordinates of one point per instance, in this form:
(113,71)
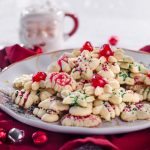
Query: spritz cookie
(60,81)
(78,98)
(106,110)
(81,121)
(30,82)
(25,99)
(45,115)
(62,65)
(138,111)
(84,65)
(54,104)
(20,81)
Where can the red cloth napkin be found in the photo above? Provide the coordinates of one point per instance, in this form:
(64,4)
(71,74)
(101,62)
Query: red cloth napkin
(135,141)
(11,54)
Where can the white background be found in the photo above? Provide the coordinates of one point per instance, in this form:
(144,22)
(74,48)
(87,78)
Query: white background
(99,19)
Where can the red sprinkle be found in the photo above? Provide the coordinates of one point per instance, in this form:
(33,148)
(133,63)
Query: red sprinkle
(139,105)
(106,51)
(113,40)
(77,117)
(39,76)
(87,46)
(127,108)
(104,67)
(98,80)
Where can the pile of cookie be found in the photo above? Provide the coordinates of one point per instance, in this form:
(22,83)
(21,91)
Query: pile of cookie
(86,87)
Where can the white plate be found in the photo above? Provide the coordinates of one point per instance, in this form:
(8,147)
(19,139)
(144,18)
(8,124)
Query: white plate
(40,63)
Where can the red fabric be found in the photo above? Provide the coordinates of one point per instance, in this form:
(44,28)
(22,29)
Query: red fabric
(16,53)
(134,141)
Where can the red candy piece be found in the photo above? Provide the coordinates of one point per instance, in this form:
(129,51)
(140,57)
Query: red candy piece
(98,80)
(39,138)
(113,40)
(3,135)
(63,58)
(39,76)
(106,51)
(87,46)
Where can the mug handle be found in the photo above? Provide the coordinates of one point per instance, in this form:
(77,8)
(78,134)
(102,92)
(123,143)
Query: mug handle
(75,27)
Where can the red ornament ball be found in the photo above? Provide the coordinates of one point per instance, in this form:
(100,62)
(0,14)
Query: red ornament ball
(106,51)
(3,135)
(39,76)
(87,46)
(113,40)
(39,137)
(98,80)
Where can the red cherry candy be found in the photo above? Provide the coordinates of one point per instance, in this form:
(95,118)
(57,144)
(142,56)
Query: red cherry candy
(113,40)
(39,138)
(98,80)
(3,135)
(106,51)
(87,46)
(39,76)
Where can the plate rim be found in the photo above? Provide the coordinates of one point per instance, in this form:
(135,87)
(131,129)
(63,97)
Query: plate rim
(74,130)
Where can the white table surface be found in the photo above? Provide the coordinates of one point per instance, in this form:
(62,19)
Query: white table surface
(99,19)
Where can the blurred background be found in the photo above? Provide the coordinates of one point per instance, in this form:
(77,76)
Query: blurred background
(98,20)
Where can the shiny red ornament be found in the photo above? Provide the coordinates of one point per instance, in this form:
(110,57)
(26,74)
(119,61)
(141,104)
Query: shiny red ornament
(98,80)
(106,51)
(39,137)
(39,76)
(113,40)
(3,135)
(87,46)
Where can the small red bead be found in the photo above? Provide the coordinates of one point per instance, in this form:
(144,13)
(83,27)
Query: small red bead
(98,80)
(3,135)
(39,76)
(106,51)
(113,40)
(87,46)
(39,138)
